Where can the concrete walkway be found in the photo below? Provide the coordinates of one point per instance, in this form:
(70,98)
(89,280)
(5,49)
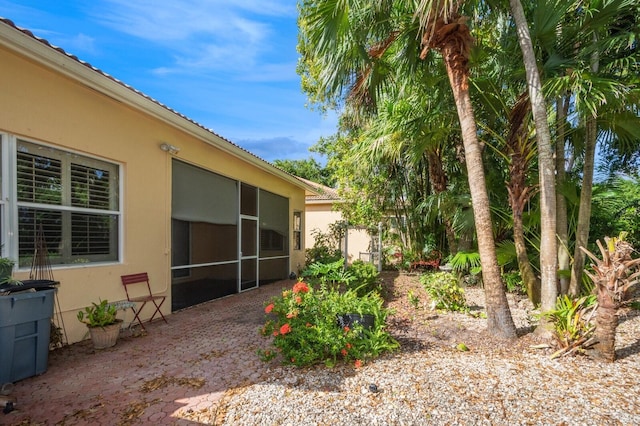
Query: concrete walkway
(171,375)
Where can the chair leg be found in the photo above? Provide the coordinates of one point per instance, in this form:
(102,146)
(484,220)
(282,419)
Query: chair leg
(137,315)
(157,311)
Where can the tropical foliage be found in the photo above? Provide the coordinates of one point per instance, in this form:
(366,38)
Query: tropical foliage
(444,291)
(305,326)
(438,128)
(573,322)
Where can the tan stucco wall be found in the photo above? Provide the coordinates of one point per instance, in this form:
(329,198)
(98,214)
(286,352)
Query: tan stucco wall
(43,106)
(320,216)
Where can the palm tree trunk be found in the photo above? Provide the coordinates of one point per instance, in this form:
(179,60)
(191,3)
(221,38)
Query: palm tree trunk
(499,318)
(548,244)
(438,179)
(584,212)
(612,276)
(526,271)
(607,323)
(562,224)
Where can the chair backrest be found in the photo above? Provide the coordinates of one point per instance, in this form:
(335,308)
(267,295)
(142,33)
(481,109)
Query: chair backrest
(141,277)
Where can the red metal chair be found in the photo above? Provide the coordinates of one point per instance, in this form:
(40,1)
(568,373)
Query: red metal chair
(156,300)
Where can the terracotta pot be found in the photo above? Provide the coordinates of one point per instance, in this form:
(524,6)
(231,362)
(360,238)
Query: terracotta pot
(105,337)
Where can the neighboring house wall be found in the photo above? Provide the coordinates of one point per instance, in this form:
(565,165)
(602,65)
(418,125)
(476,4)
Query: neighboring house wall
(43,106)
(320,214)
(319,217)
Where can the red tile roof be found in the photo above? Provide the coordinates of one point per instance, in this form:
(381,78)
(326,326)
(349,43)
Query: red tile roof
(324,193)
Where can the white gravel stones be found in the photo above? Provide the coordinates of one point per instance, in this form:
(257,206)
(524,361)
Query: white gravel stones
(434,384)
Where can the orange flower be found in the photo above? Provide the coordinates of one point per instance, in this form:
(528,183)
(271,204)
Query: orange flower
(275,333)
(292,314)
(343,352)
(309,324)
(300,287)
(348,345)
(346,329)
(286,328)
(269,308)
(298,300)
(358,363)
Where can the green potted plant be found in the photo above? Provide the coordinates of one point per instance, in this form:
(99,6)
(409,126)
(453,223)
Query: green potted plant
(103,325)
(6,269)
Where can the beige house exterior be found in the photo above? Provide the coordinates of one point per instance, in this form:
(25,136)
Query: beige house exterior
(123,184)
(320,213)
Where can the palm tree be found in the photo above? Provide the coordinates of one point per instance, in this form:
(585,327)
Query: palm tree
(445,30)
(548,245)
(415,131)
(348,46)
(613,277)
(591,64)
(521,152)
(512,114)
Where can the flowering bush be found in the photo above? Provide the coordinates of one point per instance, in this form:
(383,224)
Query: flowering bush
(304,328)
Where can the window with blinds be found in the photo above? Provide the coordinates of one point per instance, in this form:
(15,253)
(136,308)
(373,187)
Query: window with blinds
(74,201)
(297,230)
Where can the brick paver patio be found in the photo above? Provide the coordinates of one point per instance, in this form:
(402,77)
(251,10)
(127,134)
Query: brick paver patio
(167,376)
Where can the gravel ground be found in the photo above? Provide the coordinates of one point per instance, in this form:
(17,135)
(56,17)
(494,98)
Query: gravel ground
(428,381)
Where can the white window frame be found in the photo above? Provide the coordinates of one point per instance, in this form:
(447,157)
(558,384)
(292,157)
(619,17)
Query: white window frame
(9,203)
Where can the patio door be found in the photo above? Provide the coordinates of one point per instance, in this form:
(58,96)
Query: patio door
(248,237)
(248,253)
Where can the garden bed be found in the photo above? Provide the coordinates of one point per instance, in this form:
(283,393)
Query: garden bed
(429,380)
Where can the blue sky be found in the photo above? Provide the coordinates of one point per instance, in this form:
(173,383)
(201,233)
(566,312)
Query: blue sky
(229,65)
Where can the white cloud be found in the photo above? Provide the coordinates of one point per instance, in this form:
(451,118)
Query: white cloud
(278,148)
(81,43)
(202,34)
(270,73)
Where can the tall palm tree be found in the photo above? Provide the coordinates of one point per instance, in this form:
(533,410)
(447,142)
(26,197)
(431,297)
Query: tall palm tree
(591,67)
(444,30)
(521,152)
(562,225)
(548,244)
(350,46)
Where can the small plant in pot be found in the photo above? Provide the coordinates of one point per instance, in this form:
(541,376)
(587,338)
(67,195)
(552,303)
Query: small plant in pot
(103,325)
(6,269)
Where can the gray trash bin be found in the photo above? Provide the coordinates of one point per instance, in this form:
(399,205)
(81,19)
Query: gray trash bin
(25,325)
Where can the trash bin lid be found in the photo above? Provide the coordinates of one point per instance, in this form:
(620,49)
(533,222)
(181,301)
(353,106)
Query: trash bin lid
(27,285)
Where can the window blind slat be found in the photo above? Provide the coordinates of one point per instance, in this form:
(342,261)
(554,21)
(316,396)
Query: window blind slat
(39,179)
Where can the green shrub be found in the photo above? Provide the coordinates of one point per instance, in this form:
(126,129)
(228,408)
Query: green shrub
(326,246)
(466,262)
(513,282)
(305,329)
(366,278)
(444,291)
(413,299)
(572,318)
(98,314)
(327,274)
